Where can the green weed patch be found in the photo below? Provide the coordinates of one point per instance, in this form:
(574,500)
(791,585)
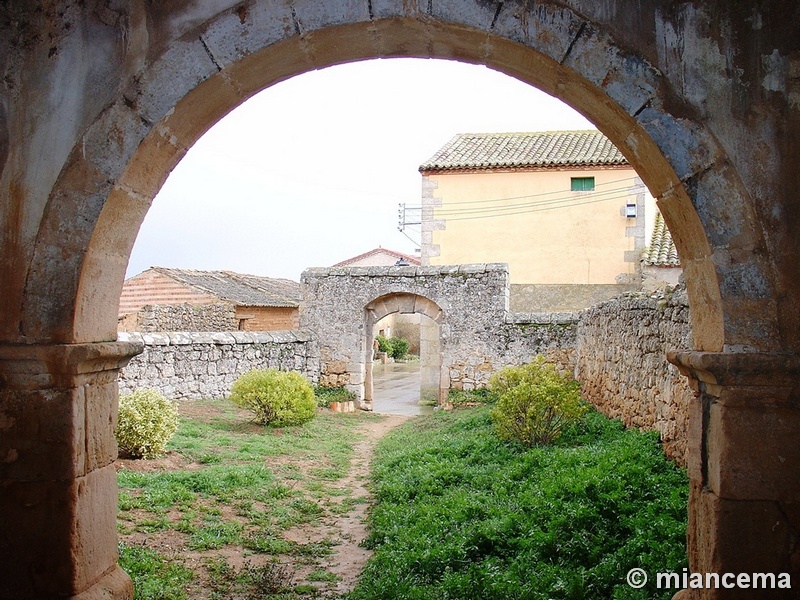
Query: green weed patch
(463,515)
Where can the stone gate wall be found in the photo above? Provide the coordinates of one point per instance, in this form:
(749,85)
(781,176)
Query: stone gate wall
(516,341)
(470,305)
(621,363)
(204,365)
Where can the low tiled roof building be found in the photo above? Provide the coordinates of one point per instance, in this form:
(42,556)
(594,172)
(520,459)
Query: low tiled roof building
(660,263)
(257,302)
(543,149)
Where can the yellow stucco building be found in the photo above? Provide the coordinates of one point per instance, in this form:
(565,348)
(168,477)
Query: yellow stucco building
(564,209)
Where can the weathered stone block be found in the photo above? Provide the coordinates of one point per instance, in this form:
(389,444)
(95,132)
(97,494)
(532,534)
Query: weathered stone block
(247,30)
(51,523)
(545,28)
(180,69)
(769,466)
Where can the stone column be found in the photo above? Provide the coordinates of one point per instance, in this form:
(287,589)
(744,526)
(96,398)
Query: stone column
(367,402)
(744,468)
(58,485)
(430,361)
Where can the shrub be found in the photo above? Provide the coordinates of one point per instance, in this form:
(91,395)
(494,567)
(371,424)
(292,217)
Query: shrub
(147,421)
(277,398)
(534,402)
(384,344)
(395,347)
(476,397)
(399,348)
(326,395)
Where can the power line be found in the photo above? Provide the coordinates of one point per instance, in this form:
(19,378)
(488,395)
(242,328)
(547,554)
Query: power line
(563,202)
(539,195)
(567,199)
(532,210)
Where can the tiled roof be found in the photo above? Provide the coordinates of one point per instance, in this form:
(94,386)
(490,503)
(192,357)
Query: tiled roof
(241,289)
(662,251)
(469,151)
(412,260)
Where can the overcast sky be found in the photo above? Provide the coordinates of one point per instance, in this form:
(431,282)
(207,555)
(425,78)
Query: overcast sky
(310,172)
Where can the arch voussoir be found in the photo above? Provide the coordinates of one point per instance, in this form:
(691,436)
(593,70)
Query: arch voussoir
(550,30)
(626,78)
(183,66)
(237,34)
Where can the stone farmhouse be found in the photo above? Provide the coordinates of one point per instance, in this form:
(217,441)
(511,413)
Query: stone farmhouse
(564,209)
(162,299)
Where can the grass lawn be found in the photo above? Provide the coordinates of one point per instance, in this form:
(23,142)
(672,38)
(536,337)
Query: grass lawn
(462,515)
(239,511)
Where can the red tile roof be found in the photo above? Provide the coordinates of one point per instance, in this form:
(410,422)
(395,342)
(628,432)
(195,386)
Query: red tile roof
(470,151)
(412,260)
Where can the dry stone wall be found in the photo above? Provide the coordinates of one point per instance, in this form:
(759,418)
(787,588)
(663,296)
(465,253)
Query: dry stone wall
(516,341)
(204,365)
(219,316)
(621,363)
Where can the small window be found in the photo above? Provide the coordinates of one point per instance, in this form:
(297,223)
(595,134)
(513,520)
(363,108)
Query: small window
(582,184)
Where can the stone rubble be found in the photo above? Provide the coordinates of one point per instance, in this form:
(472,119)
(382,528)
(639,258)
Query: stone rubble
(621,363)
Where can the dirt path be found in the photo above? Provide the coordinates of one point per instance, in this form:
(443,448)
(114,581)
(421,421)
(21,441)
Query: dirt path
(349,530)
(350,556)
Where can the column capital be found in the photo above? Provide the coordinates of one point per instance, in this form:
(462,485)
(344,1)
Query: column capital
(58,365)
(58,408)
(710,372)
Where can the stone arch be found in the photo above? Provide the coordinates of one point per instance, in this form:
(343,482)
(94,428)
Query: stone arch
(404,303)
(165,72)
(222,58)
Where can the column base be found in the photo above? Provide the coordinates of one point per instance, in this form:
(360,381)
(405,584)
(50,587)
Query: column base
(115,585)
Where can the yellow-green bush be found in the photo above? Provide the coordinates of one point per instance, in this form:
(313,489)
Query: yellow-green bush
(147,421)
(277,398)
(534,402)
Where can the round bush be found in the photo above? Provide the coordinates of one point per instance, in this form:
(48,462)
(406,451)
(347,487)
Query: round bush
(399,348)
(147,421)
(534,402)
(277,398)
